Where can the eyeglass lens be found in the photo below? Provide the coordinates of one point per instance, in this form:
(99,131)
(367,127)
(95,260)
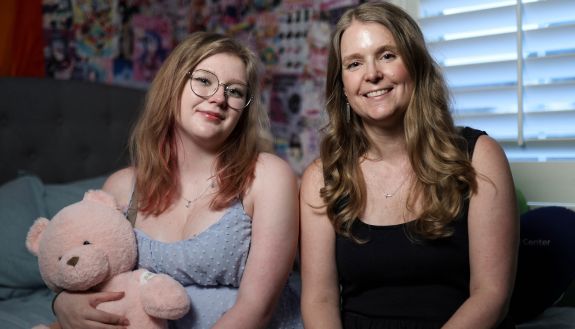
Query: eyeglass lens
(206,84)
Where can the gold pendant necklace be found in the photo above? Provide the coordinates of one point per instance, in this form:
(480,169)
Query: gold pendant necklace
(189,202)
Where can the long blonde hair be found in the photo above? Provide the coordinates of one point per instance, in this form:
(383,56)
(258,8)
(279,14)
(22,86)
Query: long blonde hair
(153,140)
(443,171)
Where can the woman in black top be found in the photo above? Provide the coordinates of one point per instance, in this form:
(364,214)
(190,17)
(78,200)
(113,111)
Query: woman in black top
(406,220)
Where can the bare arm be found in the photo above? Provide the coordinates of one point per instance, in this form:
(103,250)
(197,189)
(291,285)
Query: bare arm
(273,247)
(78,310)
(120,184)
(493,240)
(320,287)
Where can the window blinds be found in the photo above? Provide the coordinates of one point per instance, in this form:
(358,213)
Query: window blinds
(510,66)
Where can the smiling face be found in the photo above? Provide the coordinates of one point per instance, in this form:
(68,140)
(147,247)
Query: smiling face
(209,120)
(376,82)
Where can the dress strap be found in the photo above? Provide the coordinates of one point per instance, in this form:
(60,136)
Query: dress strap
(132,212)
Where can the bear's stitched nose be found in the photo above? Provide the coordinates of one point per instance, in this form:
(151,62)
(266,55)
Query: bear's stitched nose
(73,261)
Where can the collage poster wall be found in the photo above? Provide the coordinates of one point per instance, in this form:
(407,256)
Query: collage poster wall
(124,42)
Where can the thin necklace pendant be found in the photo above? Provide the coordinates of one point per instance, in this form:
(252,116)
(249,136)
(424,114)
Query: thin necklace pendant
(390,195)
(201,195)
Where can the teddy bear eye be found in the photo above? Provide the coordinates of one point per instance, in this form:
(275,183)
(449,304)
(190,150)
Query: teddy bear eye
(86,242)
(60,258)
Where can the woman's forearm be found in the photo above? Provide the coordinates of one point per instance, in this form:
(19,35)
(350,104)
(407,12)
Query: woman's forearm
(321,315)
(242,316)
(480,311)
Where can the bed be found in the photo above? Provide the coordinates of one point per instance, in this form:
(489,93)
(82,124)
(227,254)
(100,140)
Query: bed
(57,140)
(61,138)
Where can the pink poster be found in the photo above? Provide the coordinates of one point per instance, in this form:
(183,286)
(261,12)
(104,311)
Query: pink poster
(152,43)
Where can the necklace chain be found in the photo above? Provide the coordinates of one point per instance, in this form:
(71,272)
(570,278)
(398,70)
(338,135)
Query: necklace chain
(189,202)
(389,195)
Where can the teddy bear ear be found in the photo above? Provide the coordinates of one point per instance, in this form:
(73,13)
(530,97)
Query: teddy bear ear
(35,234)
(101,197)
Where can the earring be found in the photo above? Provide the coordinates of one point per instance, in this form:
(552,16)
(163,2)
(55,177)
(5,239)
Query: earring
(347,112)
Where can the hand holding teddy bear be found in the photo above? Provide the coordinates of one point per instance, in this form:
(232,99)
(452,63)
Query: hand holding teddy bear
(90,245)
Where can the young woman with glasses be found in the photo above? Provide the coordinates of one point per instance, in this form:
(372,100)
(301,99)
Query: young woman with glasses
(212,209)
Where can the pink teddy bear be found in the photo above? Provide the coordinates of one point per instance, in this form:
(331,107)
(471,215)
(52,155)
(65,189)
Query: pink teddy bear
(90,245)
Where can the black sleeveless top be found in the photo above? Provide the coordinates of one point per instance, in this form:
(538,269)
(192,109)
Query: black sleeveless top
(392,282)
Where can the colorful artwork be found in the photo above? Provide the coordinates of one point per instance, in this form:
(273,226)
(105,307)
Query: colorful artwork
(92,69)
(266,29)
(122,65)
(318,42)
(198,16)
(293,46)
(179,12)
(295,115)
(56,15)
(152,43)
(58,38)
(96,27)
(331,10)
(58,53)
(126,41)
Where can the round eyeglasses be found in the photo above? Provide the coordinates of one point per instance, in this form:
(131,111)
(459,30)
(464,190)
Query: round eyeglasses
(205,84)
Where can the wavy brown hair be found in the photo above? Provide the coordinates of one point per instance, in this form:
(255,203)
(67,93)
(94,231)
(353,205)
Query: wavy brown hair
(154,139)
(443,171)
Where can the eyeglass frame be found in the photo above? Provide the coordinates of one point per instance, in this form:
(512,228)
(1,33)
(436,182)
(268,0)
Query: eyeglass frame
(226,85)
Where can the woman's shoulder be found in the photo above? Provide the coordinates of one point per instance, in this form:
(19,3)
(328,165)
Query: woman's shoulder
(271,164)
(486,146)
(273,177)
(312,179)
(121,185)
(489,156)
(313,171)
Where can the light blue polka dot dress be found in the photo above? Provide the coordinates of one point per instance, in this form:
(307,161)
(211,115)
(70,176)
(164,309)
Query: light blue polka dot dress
(210,265)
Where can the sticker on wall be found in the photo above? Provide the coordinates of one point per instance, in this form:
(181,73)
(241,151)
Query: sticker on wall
(152,43)
(292,45)
(318,38)
(92,69)
(96,27)
(294,120)
(56,15)
(58,53)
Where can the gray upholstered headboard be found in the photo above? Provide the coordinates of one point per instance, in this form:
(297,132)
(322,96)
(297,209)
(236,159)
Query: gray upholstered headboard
(62,130)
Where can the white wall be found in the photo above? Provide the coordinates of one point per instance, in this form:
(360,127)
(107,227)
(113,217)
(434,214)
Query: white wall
(546,183)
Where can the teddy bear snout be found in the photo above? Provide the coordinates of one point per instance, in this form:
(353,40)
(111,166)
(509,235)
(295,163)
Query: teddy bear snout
(81,269)
(73,261)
